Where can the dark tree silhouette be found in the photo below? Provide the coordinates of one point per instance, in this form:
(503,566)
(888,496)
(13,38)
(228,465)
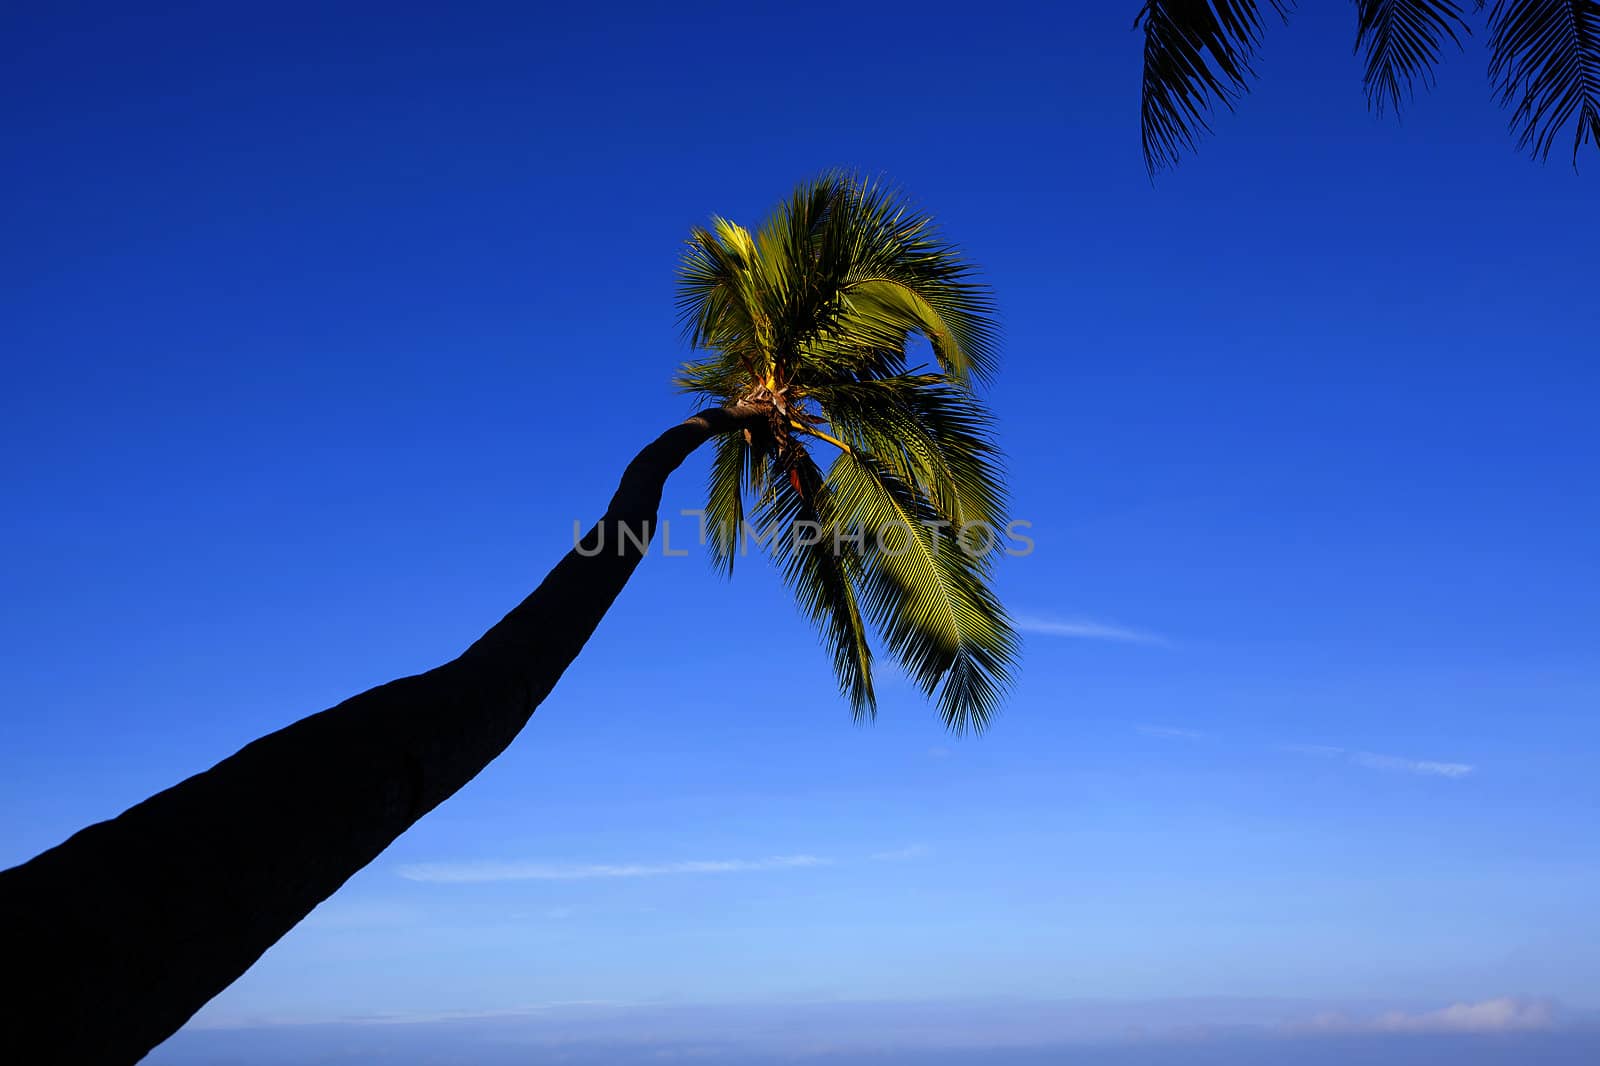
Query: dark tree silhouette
(1544,63)
(114,938)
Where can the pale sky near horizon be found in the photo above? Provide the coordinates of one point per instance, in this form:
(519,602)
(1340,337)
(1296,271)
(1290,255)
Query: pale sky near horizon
(321,330)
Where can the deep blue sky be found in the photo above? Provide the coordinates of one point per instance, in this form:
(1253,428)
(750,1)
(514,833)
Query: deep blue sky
(321,329)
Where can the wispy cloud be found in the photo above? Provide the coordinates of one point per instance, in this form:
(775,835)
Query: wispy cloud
(1391,763)
(1325,750)
(1169,733)
(905,1031)
(1084,629)
(914,851)
(1426,767)
(1489,1016)
(477,872)
(1505,1015)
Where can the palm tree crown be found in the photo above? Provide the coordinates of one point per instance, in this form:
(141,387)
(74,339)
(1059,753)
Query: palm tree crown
(810,319)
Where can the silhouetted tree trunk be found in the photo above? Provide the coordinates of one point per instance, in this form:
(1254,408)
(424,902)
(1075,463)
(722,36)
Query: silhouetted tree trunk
(111,940)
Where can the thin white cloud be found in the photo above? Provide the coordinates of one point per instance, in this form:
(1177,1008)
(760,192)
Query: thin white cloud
(914,851)
(1490,1016)
(1326,750)
(1169,732)
(738,1032)
(1084,629)
(1504,1015)
(1426,767)
(478,872)
(1392,763)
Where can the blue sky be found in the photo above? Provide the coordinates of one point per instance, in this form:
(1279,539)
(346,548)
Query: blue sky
(320,331)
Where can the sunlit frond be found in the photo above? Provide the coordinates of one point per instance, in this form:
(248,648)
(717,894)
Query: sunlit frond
(930,434)
(926,593)
(821,571)
(724,511)
(904,274)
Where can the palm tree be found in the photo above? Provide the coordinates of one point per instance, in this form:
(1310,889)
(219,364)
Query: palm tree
(1544,63)
(116,936)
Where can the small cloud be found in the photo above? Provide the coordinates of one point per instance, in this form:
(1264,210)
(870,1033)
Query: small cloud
(1084,629)
(1169,733)
(1426,767)
(1504,1015)
(1325,750)
(1393,763)
(478,872)
(1491,1016)
(914,851)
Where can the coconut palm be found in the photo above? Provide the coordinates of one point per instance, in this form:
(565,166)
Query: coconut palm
(1544,63)
(115,937)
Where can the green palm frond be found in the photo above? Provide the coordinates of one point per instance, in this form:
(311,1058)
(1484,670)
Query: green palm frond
(822,572)
(1402,40)
(810,317)
(724,519)
(718,296)
(1545,62)
(1197,53)
(832,280)
(930,434)
(928,595)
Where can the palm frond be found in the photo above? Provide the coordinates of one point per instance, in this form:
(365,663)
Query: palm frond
(1402,40)
(718,378)
(719,302)
(822,572)
(1196,53)
(928,596)
(904,274)
(1545,63)
(724,511)
(931,434)
(884,311)
(840,278)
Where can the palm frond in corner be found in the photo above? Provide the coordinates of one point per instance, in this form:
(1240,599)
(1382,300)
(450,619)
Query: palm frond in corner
(1544,59)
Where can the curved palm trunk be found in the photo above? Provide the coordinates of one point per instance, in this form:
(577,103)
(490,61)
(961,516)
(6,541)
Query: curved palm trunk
(115,937)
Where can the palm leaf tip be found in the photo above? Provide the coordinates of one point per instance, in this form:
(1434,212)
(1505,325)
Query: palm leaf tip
(1196,53)
(1402,40)
(1545,63)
